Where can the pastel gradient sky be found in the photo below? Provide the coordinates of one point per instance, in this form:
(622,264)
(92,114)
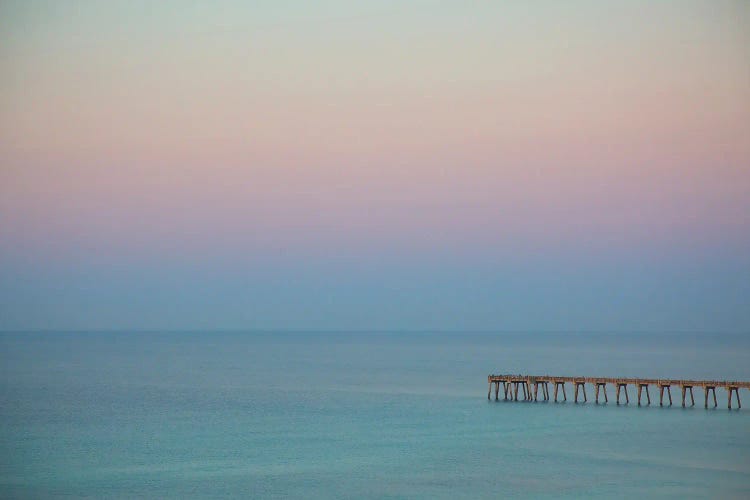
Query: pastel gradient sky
(375,165)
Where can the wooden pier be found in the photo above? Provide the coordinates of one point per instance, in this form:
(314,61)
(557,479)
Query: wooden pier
(512,383)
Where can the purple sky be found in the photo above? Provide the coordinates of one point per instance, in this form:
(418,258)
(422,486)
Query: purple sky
(375,165)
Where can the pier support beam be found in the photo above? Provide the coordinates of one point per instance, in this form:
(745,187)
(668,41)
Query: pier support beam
(729,395)
(624,387)
(545,390)
(603,385)
(582,385)
(560,384)
(692,399)
(525,389)
(661,394)
(706,390)
(545,387)
(683,396)
(640,390)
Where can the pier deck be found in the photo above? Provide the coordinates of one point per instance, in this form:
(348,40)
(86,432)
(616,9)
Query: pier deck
(512,383)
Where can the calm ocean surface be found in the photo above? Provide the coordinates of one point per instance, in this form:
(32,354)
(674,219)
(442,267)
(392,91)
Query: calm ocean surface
(322,415)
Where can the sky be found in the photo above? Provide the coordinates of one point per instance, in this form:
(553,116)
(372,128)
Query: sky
(375,165)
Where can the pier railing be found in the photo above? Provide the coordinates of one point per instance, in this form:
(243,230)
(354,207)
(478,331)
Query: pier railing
(512,383)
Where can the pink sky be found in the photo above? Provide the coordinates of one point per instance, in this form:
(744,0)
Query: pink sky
(131,129)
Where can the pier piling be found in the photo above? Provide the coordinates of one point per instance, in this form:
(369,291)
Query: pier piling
(684,389)
(597,385)
(706,390)
(513,383)
(624,387)
(641,386)
(582,386)
(668,387)
(731,389)
(560,383)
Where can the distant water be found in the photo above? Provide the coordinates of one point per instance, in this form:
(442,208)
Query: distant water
(321,415)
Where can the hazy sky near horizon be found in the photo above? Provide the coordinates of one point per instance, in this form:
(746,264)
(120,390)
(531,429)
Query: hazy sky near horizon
(375,165)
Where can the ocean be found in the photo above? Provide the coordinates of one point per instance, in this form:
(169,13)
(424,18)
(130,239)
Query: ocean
(360,415)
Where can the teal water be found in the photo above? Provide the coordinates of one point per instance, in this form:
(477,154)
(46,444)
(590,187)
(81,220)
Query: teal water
(323,415)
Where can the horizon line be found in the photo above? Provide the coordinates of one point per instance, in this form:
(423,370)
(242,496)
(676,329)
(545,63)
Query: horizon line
(374,331)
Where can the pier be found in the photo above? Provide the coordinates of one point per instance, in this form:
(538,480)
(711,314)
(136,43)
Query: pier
(512,383)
